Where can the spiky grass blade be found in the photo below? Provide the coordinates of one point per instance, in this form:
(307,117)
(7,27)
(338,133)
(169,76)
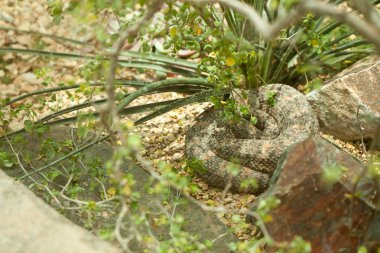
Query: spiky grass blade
(161,84)
(165,64)
(196,98)
(52,36)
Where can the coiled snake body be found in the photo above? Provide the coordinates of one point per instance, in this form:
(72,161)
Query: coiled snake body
(257,149)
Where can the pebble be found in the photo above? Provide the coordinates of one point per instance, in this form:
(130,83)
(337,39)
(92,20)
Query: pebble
(177,156)
(353,148)
(6,17)
(228,200)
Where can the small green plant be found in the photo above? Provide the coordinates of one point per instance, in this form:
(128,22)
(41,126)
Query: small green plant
(5,160)
(271,97)
(265,206)
(374,167)
(332,173)
(193,166)
(298,245)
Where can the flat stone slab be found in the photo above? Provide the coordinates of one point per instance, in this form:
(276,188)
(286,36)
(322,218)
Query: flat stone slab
(29,225)
(197,223)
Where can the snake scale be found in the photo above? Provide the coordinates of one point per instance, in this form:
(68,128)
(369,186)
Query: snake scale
(290,119)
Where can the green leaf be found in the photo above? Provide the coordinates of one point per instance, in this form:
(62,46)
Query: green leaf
(134,141)
(42,129)
(161,84)
(50,154)
(5,160)
(83,131)
(233,169)
(299,245)
(53,174)
(362,249)
(332,173)
(253,120)
(313,85)
(244,111)
(28,125)
(331,60)
(249,183)
(267,204)
(271,97)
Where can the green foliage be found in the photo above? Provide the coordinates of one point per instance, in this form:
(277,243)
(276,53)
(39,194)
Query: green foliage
(362,249)
(233,168)
(249,183)
(298,245)
(194,165)
(232,55)
(265,206)
(270,96)
(43,73)
(55,8)
(332,173)
(106,234)
(184,242)
(247,246)
(230,110)
(233,112)
(313,85)
(5,160)
(374,167)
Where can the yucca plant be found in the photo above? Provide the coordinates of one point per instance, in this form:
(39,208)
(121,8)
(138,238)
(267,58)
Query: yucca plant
(301,53)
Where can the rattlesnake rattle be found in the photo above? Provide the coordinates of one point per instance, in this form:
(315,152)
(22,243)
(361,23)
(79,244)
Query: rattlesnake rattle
(257,149)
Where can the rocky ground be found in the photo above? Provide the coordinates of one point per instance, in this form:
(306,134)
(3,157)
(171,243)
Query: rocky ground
(163,137)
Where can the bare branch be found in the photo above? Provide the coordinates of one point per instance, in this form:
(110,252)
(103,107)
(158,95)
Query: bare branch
(369,13)
(246,10)
(108,113)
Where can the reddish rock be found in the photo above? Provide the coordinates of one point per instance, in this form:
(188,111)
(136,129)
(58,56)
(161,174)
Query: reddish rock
(372,240)
(325,216)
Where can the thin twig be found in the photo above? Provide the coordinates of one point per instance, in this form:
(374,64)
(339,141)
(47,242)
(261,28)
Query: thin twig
(31,178)
(108,112)
(363,147)
(122,241)
(147,166)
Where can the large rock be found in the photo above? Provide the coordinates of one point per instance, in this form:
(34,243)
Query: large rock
(323,214)
(197,222)
(372,239)
(337,102)
(29,225)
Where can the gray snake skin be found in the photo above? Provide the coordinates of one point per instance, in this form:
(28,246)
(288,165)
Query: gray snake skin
(256,148)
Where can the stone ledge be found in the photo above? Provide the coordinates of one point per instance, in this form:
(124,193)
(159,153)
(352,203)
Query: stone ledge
(28,224)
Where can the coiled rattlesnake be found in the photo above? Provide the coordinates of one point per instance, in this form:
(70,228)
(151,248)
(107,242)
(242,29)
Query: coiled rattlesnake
(257,149)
